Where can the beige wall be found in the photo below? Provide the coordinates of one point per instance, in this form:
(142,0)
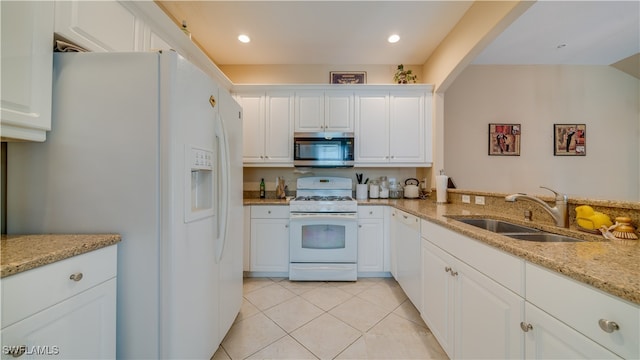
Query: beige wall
(309,74)
(603,98)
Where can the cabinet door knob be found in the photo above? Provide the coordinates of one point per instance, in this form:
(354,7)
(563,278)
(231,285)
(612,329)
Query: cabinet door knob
(454,273)
(447,269)
(359,226)
(268,211)
(76,277)
(608,325)
(370,212)
(526,327)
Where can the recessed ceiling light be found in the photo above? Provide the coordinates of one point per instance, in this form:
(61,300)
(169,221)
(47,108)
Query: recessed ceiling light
(244,38)
(393,38)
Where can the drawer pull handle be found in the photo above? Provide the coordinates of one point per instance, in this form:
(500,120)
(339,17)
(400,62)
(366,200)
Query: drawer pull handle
(608,325)
(454,273)
(526,327)
(76,276)
(447,269)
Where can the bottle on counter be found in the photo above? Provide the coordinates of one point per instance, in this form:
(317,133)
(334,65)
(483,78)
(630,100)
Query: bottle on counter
(262,190)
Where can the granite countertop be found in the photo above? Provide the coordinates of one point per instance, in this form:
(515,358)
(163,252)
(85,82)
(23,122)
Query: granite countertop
(24,252)
(611,266)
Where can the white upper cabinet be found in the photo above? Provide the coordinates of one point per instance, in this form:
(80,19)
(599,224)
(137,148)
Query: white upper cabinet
(407,128)
(393,128)
(372,127)
(267,128)
(320,111)
(98,25)
(27,65)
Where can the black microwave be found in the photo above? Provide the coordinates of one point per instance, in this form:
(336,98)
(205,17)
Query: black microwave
(323,149)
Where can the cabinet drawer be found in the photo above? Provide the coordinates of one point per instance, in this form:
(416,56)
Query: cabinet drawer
(581,307)
(26,293)
(370,212)
(502,267)
(269,212)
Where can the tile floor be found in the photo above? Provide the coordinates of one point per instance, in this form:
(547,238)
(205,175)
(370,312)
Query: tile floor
(368,319)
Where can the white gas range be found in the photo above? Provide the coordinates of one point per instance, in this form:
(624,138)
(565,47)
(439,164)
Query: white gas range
(323,238)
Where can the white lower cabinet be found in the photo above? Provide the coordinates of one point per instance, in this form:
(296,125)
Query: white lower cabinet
(269,238)
(601,321)
(408,260)
(471,314)
(371,244)
(548,338)
(82,327)
(65,310)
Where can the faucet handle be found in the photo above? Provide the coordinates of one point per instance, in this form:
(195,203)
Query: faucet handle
(559,197)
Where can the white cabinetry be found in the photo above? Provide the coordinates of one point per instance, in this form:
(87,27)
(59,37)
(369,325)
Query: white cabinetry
(27,60)
(393,128)
(267,128)
(407,253)
(549,338)
(98,25)
(320,111)
(269,238)
(371,239)
(470,310)
(582,308)
(68,308)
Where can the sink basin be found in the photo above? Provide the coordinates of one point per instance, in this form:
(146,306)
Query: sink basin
(544,237)
(515,231)
(498,226)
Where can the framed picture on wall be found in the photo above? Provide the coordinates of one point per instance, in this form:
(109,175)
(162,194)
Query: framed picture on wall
(504,139)
(569,139)
(348,77)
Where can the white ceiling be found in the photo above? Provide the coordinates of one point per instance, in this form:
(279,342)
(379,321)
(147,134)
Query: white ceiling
(569,32)
(355,32)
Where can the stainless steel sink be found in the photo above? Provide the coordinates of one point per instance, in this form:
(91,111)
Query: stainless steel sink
(515,231)
(544,237)
(498,226)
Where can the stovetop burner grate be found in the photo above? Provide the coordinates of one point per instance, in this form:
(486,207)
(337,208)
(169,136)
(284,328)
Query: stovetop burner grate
(323,198)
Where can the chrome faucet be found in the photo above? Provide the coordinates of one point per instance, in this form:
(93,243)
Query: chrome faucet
(559,213)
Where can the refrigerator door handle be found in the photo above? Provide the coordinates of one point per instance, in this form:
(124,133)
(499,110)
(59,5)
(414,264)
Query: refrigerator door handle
(225,180)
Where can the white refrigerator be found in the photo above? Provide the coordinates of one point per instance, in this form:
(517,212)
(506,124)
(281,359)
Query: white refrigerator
(145,145)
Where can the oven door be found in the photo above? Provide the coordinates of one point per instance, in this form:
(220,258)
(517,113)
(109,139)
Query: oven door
(323,238)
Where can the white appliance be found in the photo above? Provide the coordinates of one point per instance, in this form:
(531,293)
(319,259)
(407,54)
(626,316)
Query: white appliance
(145,145)
(323,234)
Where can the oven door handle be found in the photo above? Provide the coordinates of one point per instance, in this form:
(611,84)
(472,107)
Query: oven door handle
(323,216)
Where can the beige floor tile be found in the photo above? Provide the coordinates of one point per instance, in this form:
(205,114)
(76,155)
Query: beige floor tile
(384,296)
(250,335)
(254,283)
(285,348)
(326,297)
(268,296)
(293,313)
(300,287)
(326,336)
(246,310)
(220,354)
(355,287)
(395,338)
(409,312)
(359,313)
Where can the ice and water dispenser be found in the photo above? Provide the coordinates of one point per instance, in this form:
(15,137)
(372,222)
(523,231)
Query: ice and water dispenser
(199,197)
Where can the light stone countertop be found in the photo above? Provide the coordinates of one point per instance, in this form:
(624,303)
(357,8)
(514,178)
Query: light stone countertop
(611,266)
(24,252)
